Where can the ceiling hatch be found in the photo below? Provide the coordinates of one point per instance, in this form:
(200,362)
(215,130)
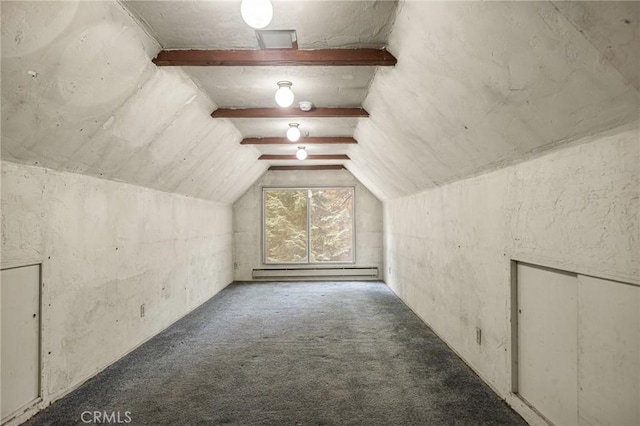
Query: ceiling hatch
(277,39)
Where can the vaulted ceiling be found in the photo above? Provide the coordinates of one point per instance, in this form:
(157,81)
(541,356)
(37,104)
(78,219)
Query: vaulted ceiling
(477,85)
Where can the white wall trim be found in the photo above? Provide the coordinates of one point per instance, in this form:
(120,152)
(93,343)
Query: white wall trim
(559,265)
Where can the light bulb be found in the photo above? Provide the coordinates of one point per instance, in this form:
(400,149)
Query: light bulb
(301,154)
(293,133)
(284,94)
(256,13)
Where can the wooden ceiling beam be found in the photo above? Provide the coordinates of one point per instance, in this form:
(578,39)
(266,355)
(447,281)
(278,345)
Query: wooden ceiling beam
(310,157)
(304,141)
(289,113)
(320,167)
(275,57)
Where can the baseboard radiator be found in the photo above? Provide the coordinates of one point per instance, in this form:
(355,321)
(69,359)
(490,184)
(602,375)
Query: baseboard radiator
(346,272)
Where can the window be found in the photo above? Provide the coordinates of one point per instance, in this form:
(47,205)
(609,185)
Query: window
(308,225)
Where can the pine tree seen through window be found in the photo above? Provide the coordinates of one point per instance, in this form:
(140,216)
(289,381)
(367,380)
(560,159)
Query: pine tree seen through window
(308,225)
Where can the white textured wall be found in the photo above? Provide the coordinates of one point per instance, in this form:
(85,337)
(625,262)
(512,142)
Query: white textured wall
(448,250)
(106,248)
(80,94)
(247,218)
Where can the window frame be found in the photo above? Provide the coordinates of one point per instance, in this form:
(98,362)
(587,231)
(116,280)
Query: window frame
(308,188)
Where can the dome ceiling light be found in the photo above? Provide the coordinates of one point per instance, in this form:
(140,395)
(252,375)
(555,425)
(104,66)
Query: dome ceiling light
(256,13)
(284,94)
(301,153)
(293,133)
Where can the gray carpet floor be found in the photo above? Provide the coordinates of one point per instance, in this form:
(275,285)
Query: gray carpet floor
(314,353)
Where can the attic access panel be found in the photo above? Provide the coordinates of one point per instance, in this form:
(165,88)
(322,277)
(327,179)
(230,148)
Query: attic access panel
(277,39)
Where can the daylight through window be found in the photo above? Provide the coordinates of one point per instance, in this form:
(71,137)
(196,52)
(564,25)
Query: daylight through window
(308,225)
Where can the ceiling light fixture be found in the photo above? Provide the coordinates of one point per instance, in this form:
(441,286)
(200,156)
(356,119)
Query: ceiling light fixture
(256,13)
(293,132)
(301,154)
(284,94)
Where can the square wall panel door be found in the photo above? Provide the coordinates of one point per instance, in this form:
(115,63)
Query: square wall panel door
(20,352)
(578,347)
(609,352)
(547,342)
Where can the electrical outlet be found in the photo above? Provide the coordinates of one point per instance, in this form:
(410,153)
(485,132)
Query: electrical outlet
(478,335)
(389,270)
(235,265)
(142,310)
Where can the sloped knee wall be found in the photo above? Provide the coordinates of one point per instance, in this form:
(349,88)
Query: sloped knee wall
(107,248)
(448,250)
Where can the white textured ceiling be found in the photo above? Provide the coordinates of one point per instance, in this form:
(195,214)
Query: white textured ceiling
(612,28)
(269,127)
(478,85)
(80,94)
(319,24)
(242,87)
